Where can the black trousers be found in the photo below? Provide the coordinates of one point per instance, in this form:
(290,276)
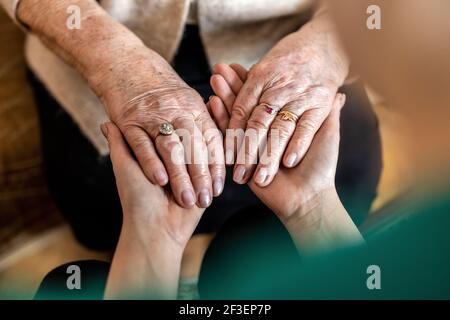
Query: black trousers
(83,185)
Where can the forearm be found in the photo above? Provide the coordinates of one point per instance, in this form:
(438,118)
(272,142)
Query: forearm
(144,267)
(105,52)
(322,224)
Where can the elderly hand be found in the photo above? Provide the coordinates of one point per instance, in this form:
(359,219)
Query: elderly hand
(140,91)
(301,76)
(192,157)
(304,198)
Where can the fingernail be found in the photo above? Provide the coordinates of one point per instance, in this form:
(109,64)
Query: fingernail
(290,161)
(229,156)
(204,198)
(210,97)
(239,174)
(217,186)
(161,177)
(104,129)
(188,197)
(261,176)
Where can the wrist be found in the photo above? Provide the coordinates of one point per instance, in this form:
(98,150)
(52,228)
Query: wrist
(116,62)
(151,233)
(129,72)
(312,209)
(145,265)
(322,224)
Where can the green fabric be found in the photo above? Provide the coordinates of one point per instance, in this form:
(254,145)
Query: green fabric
(413,254)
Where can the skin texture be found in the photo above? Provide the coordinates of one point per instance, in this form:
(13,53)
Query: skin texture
(301,74)
(139,90)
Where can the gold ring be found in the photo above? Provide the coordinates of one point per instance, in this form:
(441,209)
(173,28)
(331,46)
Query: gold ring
(272,110)
(166,128)
(288,116)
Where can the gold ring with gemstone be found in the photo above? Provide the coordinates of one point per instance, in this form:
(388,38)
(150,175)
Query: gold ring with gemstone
(166,128)
(272,110)
(288,116)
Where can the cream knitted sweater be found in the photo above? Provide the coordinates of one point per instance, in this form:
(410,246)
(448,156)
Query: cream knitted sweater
(240,31)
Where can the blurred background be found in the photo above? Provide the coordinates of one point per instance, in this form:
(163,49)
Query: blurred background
(34,238)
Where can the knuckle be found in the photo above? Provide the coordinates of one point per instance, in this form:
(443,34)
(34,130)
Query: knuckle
(170,146)
(217,170)
(307,126)
(179,176)
(281,129)
(139,143)
(239,112)
(257,122)
(200,178)
(300,140)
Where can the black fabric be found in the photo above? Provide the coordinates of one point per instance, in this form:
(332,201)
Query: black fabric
(231,255)
(243,246)
(83,185)
(92,274)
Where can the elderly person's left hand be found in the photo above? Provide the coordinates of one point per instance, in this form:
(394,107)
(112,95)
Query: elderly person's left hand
(304,198)
(301,76)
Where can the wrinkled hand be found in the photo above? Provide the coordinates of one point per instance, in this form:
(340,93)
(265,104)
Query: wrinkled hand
(191,159)
(297,190)
(139,90)
(301,74)
(147,208)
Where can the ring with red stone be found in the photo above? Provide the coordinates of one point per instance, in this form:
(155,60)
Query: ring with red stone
(272,110)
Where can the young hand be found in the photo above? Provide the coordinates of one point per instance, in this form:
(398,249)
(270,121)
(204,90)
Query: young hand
(154,233)
(145,205)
